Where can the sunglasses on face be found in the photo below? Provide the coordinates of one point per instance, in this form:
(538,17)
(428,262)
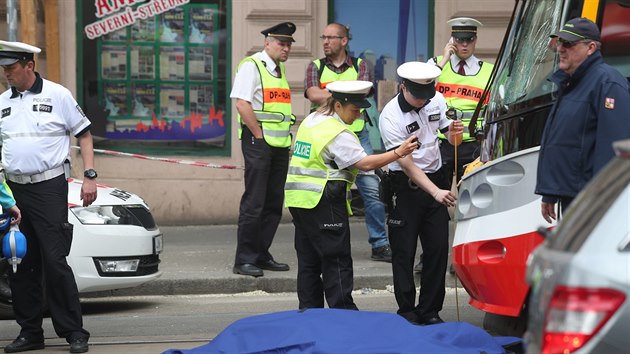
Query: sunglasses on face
(465,40)
(568,44)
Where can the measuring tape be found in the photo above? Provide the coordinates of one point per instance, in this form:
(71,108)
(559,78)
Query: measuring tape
(162,159)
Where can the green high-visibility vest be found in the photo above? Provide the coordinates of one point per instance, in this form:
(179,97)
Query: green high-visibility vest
(327,76)
(308,175)
(463,92)
(275,117)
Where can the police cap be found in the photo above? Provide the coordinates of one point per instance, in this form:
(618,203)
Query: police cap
(353,91)
(463,27)
(12,52)
(577,29)
(282,31)
(419,78)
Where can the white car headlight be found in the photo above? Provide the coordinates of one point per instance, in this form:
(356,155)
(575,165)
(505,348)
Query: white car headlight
(114,215)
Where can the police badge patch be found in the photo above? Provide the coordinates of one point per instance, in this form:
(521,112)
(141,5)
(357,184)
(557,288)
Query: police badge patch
(6,112)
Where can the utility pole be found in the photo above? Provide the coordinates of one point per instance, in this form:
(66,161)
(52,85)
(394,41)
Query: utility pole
(12,20)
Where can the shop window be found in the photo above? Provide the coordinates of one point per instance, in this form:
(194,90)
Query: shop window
(152,75)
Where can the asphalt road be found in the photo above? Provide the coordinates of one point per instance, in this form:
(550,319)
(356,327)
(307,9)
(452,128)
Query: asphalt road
(153,324)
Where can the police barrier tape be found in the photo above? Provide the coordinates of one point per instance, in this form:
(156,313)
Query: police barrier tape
(162,159)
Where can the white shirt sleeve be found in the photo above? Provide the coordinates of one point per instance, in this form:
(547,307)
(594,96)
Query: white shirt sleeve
(73,115)
(246,82)
(345,150)
(441,102)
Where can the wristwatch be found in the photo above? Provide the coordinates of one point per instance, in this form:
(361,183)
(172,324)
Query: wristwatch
(90,174)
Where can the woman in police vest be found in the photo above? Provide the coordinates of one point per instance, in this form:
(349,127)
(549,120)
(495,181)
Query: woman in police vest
(326,159)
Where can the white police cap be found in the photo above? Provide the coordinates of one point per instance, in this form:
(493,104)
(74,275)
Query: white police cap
(353,91)
(12,52)
(419,78)
(463,27)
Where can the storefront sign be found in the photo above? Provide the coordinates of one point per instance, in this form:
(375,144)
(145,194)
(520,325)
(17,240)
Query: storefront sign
(113,17)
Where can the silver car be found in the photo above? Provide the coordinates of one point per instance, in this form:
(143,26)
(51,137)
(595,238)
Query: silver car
(580,276)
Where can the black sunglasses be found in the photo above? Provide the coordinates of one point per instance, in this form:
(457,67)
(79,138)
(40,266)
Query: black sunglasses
(466,40)
(568,44)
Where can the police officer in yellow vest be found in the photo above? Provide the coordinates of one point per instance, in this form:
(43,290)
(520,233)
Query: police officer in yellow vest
(339,65)
(263,102)
(326,158)
(462,82)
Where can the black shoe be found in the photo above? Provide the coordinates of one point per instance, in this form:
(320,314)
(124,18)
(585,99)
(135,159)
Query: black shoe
(432,321)
(248,269)
(273,266)
(383,253)
(22,344)
(79,345)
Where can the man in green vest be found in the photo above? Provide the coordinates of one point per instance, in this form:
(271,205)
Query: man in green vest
(338,65)
(462,82)
(263,102)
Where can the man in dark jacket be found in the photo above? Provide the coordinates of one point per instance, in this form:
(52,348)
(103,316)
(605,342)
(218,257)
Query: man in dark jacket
(591,112)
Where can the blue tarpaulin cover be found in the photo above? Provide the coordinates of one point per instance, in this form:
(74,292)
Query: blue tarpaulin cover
(346,331)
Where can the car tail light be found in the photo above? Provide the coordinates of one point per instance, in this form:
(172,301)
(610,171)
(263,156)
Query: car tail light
(575,315)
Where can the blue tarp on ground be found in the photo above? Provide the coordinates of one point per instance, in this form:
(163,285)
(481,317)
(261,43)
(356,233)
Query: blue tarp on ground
(345,331)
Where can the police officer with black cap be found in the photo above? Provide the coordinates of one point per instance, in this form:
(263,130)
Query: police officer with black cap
(326,159)
(420,190)
(265,119)
(37,118)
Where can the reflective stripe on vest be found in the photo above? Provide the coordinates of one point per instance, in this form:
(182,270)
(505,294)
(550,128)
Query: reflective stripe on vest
(463,92)
(329,76)
(275,117)
(307,175)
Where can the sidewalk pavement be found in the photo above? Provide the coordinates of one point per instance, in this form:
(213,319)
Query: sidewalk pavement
(199,260)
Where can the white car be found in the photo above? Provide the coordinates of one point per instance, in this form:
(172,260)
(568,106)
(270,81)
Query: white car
(116,244)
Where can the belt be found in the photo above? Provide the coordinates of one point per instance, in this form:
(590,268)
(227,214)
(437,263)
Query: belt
(401,177)
(36,178)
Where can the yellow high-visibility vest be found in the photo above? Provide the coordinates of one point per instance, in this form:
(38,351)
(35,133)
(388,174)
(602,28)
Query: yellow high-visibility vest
(308,175)
(327,76)
(275,117)
(463,92)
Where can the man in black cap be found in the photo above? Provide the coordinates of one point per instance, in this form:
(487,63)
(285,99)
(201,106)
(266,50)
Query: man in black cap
(263,102)
(38,118)
(420,190)
(592,111)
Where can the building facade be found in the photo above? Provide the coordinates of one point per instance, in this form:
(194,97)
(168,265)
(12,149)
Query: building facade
(154,76)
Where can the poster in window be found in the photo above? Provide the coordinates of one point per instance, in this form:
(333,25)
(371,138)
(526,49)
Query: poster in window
(114,62)
(143,100)
(115,95)
(201,98)
(172,62)
(142,62)
(200,63)
(172,100)
(201,25)
(143,30)
(172,26)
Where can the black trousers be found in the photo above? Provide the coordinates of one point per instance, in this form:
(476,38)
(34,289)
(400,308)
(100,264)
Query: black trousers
(44,208)
(415,214)
(467,152)
(261,204)
(322,243)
